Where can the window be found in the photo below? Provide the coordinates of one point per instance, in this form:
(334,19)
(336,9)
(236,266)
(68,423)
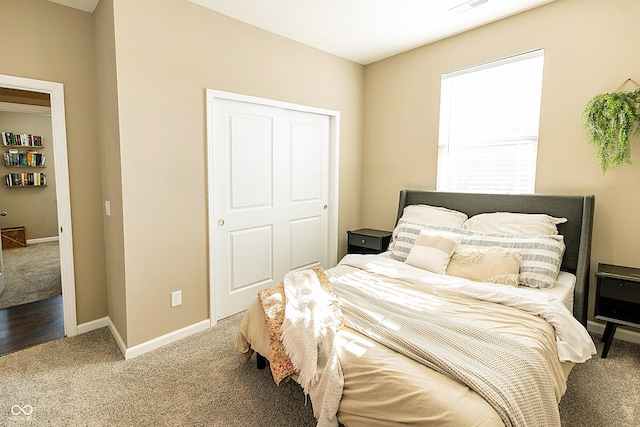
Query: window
(489,116)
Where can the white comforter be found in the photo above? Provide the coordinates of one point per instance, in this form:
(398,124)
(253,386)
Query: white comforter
(573,340)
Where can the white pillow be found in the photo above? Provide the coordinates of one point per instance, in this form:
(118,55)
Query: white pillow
(432,251)
(514,223)
(427,214)
(493,265)
(541,255)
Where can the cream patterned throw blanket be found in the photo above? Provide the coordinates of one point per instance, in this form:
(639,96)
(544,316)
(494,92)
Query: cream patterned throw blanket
(312,319)
(273,301)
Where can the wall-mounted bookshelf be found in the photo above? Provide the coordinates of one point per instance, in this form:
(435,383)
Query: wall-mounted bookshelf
(20,140)
(15,157)
(30,159)
(29,179)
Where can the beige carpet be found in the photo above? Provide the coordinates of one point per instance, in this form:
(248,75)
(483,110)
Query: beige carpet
(198,381)
(201,381)
(31,274)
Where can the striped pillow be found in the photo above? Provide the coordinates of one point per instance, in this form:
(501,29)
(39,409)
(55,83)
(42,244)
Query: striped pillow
(541,255)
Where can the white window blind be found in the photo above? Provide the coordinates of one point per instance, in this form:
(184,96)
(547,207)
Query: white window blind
(489,116)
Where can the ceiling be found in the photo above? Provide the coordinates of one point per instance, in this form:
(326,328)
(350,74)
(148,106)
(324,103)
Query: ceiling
(363,31)
(86,5)
(366,31)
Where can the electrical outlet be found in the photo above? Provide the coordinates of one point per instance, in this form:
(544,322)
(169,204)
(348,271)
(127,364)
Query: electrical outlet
(176,298)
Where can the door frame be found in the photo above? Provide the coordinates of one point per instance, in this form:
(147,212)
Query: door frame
(334,142)
(61,170)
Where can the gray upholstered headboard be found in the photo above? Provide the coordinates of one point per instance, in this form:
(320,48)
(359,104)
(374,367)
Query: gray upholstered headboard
(576,231)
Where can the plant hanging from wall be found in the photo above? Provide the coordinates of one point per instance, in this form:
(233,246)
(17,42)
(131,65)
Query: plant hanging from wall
(611,119)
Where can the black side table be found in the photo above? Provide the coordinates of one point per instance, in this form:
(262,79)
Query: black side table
(617,299)
(367,241)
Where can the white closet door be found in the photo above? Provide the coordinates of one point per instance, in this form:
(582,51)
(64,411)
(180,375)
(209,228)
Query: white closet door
(306,200)
(270,172)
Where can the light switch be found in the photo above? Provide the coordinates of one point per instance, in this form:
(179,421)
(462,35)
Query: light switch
(107,208)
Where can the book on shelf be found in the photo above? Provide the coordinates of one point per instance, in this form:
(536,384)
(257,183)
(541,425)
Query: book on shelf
(22,140)
(30,159)
(7,138)
(31,179)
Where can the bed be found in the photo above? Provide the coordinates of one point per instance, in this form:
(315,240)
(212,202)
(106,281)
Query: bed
(390,340)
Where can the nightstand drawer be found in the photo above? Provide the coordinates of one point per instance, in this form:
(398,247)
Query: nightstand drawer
(368,242)
(617,299)
(620,290)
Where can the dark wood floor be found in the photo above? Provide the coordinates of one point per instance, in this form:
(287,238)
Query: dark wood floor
(30,324)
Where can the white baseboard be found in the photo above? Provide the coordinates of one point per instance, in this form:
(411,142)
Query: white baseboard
(621,333)
(163,340)
(117,337)
(137,350)
(42,240)
(93,325)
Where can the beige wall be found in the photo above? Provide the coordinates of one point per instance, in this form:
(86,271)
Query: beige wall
(32,208)
(109,135)
(590,47)
(165,61)
(59,47)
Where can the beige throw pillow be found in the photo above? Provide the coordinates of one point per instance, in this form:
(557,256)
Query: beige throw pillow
(432,250)
(493,265)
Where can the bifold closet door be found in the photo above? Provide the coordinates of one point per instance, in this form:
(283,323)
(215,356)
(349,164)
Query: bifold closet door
(271,189)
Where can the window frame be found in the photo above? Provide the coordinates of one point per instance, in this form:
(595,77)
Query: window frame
(449,178)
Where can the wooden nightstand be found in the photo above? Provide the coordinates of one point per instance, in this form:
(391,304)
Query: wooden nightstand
(367,241)
(617,299)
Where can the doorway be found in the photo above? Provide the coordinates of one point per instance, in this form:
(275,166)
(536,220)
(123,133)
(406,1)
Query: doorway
(58,165)
(30,251)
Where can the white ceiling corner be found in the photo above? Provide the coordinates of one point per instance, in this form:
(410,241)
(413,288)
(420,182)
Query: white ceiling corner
(86,5)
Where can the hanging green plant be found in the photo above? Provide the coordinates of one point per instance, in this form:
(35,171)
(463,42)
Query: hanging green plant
(611,119)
